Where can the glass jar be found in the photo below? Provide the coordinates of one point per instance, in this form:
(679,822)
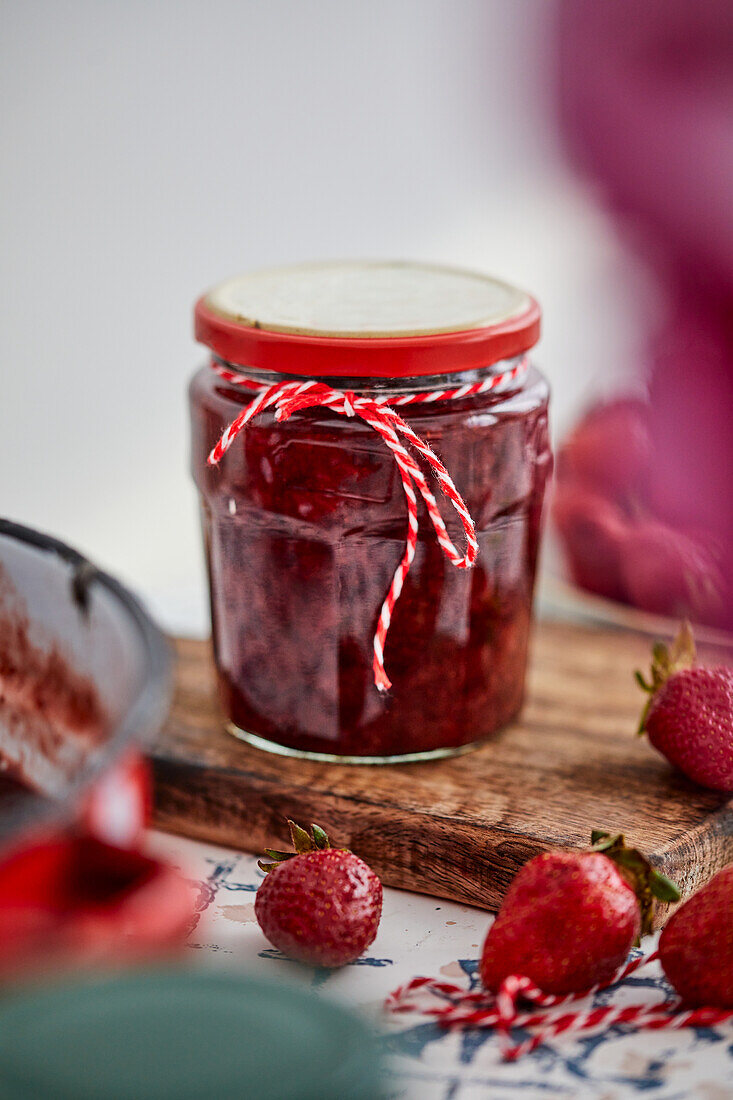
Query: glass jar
(305,519)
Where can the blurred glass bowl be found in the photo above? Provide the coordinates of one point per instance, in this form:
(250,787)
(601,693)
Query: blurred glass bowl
(84,683)
(67,607)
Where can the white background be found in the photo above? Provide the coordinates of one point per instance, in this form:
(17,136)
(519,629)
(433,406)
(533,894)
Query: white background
(150,149)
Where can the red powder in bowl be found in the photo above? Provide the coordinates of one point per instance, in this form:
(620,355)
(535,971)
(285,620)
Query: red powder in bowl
(51,716)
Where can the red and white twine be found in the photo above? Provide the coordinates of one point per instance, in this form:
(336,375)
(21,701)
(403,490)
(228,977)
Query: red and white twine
(452,1006)
(378,413)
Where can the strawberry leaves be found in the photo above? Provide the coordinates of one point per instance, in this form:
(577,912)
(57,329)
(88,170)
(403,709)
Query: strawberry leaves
(315,841)
(644,879)
(302,841)
(319,837)
(666,660)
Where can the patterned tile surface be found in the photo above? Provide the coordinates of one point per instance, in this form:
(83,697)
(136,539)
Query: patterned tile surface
(420,935)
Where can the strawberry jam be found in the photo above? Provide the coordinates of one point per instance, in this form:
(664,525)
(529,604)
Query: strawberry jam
(305,523)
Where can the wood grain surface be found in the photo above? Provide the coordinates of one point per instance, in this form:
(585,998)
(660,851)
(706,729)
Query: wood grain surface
(457,828)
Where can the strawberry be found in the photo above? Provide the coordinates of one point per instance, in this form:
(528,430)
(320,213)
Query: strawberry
(569,919)
(609,450)
(592,530)
(320,905)
(670,573)
(696,946)
(689,714)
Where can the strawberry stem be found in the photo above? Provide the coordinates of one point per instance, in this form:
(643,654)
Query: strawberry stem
(646,882)
(315,841)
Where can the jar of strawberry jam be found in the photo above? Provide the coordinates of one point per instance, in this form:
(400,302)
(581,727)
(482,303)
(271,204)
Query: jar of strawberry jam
(371,449)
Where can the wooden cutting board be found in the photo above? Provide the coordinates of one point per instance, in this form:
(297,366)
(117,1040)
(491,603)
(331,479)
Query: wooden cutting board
(457,828)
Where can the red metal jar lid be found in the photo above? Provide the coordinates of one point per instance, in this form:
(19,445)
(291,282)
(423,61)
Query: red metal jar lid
(366,320)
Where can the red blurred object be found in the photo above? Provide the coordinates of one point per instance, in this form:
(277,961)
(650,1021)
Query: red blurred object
(75,899)
(118,807)
(89,894)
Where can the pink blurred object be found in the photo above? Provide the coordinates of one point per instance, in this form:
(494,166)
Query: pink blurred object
(608,519)
(611,449)
(592,530)
(691,397)
(669,573)
(646,105)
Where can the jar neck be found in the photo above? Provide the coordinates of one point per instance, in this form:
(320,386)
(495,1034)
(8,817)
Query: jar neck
(387,386)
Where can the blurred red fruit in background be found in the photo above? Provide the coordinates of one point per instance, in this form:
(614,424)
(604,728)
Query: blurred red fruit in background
(669,573)
(592,530)
(610,449)
(606,513)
